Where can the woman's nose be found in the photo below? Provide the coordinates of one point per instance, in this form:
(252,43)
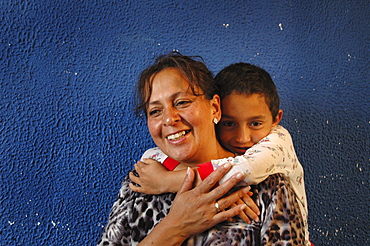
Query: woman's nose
(170,117)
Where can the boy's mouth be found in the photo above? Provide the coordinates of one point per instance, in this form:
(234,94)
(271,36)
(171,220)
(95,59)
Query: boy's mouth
(240,150)
(177,135)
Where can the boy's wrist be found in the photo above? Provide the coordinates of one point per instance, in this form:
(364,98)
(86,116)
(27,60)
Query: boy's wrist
(174,180)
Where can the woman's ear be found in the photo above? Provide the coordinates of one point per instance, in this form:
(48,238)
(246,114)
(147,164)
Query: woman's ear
(216,107)
(278,118)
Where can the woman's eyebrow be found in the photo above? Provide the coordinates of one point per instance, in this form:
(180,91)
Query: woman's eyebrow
(173,96)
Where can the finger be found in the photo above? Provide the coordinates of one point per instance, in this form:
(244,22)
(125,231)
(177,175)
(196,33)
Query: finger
(242,215)
(227,214)
(139,164)
(135,188)
(252,210)
(137,168)
(227,185)
(188,181)
(134,178)
(213,178)
(251,214)
(148,161)
(233,198)
(251,204)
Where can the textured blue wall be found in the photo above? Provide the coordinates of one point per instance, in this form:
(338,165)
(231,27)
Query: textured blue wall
(68,134)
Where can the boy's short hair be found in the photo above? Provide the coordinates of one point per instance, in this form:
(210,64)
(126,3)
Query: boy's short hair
(245,78)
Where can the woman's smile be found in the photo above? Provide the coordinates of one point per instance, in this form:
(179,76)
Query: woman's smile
(177,136)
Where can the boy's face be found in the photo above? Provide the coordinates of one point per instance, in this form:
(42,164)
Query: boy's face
(245,121)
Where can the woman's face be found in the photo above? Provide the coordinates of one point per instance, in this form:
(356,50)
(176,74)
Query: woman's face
(180,122)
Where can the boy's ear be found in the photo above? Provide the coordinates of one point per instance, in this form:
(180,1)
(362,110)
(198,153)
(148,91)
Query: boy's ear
(216,105)
(278,118)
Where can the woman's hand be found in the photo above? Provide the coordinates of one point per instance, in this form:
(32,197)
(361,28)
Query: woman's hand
(201,201)
(154,178)
(195,210)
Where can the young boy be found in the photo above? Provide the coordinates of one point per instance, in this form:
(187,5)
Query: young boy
(249,128)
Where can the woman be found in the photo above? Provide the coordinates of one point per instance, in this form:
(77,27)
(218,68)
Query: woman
(179,97)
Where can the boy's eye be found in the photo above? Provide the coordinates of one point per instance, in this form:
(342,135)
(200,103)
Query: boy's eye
(255,124)
(228,123)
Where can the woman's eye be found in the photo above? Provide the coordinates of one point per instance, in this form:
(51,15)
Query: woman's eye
(154,112)
(182,103)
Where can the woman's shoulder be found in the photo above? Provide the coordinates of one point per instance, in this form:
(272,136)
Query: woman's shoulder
(135,213)
(131,198)
(125,192)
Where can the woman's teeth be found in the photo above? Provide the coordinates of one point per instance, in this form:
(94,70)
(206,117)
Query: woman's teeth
(176,135)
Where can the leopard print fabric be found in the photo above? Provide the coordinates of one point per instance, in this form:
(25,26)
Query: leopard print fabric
(282,221)
(134,215)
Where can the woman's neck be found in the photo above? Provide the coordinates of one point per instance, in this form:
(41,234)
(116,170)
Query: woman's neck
(217,153)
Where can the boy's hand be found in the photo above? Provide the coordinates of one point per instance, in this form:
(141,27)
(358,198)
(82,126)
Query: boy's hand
(251,211)
(152,177)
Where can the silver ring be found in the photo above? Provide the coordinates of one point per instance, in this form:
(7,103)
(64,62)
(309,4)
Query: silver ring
(217,207)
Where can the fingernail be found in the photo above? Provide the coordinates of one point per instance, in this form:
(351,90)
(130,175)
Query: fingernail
(239,175)
(226,165)
(188,171)
(246,189)
(257,220)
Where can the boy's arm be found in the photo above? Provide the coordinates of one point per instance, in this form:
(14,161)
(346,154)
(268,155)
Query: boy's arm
(258,162)
(154,178)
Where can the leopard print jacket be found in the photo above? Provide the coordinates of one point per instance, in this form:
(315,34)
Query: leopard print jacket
(134,215)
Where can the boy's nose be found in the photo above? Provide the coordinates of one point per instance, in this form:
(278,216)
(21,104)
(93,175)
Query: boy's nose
(243,135)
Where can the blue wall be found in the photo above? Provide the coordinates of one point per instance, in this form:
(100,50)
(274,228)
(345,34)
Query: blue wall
(68,134)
